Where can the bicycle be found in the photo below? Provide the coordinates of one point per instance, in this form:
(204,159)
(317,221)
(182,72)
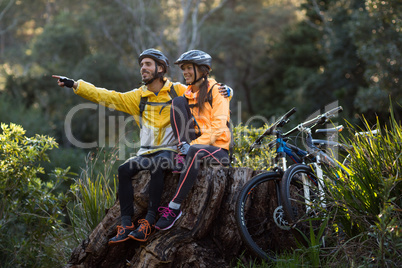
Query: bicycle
(303,185)
(252,205)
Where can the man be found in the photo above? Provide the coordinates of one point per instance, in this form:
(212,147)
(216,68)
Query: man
(150,106)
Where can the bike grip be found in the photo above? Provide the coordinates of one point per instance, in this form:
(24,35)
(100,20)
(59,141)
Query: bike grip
(335,110)
(288,114)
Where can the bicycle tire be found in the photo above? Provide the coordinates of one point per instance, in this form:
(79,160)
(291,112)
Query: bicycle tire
(300,208)
(251,214)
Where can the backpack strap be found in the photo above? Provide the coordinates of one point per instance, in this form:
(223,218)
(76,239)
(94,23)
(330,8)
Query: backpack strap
(209,95)
(208,98)
(144,101)
(172,92)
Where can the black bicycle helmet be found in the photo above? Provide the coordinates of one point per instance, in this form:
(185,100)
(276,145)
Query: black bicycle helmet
(159,58)
(156,55)
(196,57)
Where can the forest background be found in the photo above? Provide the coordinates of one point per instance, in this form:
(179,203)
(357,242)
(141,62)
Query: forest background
(275,54)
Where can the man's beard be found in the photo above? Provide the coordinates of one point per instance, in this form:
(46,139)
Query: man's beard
(146,79)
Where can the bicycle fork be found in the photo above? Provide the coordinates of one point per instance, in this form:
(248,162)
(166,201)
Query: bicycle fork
(307,184)
(279,214)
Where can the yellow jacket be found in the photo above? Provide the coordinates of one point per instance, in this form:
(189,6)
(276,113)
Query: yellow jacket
(156,131)
(213,120)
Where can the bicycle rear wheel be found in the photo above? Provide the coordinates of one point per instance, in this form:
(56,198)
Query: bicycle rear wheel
(301,199)
(254,214)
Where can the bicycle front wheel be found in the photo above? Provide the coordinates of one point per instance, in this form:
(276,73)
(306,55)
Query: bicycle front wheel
(254,210)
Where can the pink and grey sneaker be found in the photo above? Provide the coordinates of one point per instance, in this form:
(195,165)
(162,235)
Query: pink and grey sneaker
(168,218)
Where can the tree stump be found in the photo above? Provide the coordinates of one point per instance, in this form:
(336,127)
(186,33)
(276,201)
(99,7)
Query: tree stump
(205,236)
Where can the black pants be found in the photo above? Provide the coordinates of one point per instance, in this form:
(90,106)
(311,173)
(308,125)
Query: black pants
(183,125)
(157,163)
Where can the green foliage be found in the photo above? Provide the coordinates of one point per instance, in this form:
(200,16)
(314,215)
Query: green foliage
(295,82)
(101,70)
(61,46)
(15,110)
(369,200)
(244,53)
(34,102)
(376,30)
(260,158)
(94,193)
(294,259)
(31,229)
(314,241)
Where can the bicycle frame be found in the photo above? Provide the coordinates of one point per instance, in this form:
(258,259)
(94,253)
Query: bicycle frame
(284,149)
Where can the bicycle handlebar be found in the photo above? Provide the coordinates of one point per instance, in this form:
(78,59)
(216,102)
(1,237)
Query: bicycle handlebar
(367,133)
(336,129)
(308,125)
(279,123)
(289,113)
(318,120)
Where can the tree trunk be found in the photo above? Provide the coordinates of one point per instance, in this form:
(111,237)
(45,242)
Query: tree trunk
(205,236)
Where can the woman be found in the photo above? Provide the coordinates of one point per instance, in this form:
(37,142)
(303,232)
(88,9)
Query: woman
(200,123)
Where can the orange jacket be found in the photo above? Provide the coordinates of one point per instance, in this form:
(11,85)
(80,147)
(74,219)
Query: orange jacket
(213,120)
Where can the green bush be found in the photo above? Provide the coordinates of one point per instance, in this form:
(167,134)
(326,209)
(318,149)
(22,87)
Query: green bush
(94,193)
(369,201)
(260,158)
(31,230)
